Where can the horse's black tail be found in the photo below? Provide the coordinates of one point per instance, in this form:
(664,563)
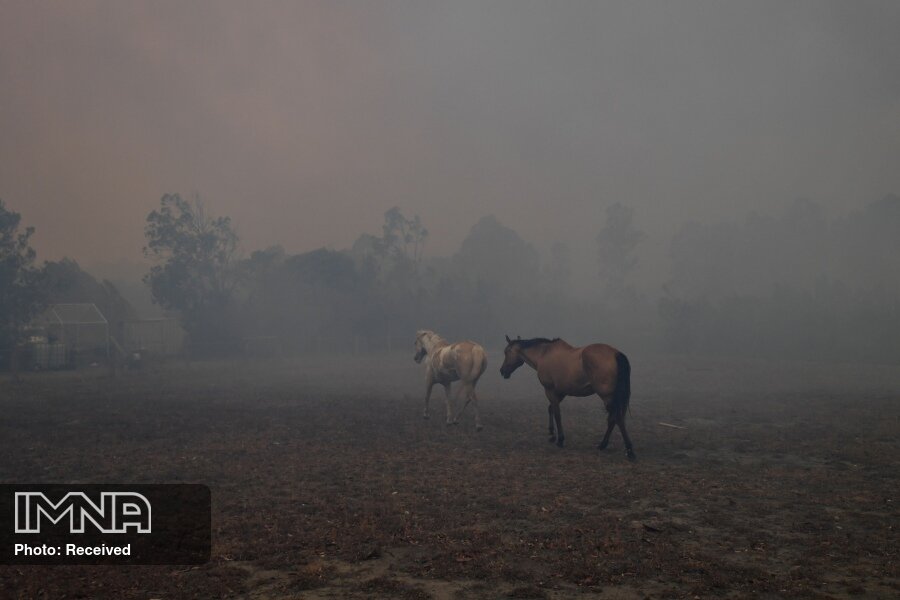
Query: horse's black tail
(619,404)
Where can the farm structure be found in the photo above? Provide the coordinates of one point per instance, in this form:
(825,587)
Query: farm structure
(157,337)
(69,335)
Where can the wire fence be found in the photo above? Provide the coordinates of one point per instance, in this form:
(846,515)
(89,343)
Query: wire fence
(271,346)
(117,354)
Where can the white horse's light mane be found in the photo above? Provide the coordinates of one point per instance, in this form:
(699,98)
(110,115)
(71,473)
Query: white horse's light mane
(430,339)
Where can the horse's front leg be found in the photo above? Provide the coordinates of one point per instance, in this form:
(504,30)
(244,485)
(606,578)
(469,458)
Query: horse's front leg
(554,400)
(429,383)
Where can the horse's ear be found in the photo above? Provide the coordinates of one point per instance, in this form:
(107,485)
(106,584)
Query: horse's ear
(508,340)
(519,337)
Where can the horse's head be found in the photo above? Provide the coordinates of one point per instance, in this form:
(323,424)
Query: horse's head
(421,350)
(512,358)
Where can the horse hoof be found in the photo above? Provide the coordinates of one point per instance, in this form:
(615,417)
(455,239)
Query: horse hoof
(602,446)
(631,456)
(425,417)
(478,428)
(552,439)
(559,443)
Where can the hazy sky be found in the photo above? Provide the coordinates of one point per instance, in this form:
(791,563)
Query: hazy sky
(305,121)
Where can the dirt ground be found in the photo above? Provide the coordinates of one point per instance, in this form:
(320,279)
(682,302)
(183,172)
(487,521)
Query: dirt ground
(327,482)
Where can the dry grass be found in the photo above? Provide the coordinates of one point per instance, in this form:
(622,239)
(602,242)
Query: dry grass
(327,483)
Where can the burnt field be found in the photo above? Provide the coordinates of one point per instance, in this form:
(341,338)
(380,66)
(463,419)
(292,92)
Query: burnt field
(327,483)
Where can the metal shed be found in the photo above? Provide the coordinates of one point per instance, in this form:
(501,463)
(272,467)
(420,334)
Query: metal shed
(159,337)
(81,327)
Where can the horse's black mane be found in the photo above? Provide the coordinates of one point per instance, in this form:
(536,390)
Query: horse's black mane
(534,342)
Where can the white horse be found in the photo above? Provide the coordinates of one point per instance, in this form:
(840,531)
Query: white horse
(462,361)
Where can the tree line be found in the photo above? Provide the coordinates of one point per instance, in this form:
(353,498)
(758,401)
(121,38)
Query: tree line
(26,288)
(794,284)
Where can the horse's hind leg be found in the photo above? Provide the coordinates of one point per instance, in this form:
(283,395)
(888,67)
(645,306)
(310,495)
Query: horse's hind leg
(629,450)
(473,398)
(550,424)
(449,404)
(610,425)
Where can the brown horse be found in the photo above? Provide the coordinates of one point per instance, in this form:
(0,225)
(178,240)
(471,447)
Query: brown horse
(567,371)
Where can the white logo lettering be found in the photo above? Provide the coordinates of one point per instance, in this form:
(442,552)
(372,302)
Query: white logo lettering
(117,512)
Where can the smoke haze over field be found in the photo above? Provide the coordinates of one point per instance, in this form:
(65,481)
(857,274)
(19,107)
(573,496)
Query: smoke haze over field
(305,121)
(226,225)
(686,177)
